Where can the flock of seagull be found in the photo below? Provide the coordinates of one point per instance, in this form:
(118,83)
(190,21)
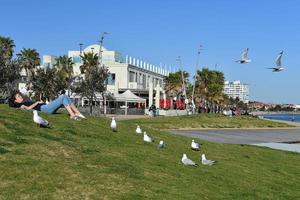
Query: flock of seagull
(113,125)
(244,59)
(185,160)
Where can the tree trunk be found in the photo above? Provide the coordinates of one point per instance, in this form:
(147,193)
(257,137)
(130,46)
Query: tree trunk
(91,105)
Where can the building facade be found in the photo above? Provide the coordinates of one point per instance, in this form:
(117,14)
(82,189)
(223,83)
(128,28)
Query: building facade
(237,89)
(126,73)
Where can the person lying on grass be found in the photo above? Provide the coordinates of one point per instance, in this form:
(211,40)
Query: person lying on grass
(16,100)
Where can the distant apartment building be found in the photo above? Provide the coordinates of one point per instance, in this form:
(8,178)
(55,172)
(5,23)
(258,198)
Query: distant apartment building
(237,89)
(49,61)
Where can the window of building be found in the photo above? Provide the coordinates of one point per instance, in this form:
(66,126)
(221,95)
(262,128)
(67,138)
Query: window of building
(119,58)
(76,59)
(144,80)
(132,77)
(136,77)
(111,79)
(148,81)
(141,78)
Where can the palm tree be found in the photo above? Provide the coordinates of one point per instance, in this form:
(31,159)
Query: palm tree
(9,67)
(215,88)
(209,88)
(29,60)
(202,81)
(64,67)
(7,46)
(89,60)
(174,84)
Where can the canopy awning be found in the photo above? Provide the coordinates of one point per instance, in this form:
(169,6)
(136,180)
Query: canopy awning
(131,97)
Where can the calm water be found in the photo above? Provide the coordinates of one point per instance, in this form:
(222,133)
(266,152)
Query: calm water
(285,117)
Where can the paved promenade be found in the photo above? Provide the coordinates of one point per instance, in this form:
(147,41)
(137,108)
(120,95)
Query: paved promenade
(272,138)
(243,136)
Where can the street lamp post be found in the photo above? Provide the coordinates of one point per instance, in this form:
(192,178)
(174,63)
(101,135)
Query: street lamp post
(100,49)
(195,77)
(182,78)
(100,65)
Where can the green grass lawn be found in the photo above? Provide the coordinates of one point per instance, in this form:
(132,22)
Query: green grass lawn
(209,121)
(86,160)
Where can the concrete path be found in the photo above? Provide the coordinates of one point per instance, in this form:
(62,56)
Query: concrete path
(244,136)
(281,146)
(273,138)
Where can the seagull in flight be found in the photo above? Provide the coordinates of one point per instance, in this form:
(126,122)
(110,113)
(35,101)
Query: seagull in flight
(244,58)
(279,66)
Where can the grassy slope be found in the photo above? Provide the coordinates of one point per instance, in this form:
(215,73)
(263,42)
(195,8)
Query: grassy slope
(85,160)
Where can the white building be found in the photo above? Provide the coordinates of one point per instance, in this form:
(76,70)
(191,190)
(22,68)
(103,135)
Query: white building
(237,89)
(47,61)
(127,73)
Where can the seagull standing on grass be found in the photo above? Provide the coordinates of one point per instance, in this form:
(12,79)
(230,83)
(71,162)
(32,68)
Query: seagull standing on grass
(161,144)
(279,66)
(147,138)
(138,130)
(186,161)
(195,146)
(38,120)
(244,58)
(113,124)
(204,161)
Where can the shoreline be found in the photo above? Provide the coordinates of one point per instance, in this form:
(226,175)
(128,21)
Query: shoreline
(242,128)
(255,113)
(296,124)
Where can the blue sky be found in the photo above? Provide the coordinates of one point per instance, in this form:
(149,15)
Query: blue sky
(159,31)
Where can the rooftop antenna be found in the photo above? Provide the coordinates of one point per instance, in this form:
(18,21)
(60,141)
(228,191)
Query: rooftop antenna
(216,65)
(80,48)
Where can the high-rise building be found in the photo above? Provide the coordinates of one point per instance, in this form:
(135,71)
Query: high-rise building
(237,89)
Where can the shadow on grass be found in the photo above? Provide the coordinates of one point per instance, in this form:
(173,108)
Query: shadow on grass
(50,137)
(3,150)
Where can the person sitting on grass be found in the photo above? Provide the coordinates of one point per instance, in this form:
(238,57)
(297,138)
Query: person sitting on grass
(16,100)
